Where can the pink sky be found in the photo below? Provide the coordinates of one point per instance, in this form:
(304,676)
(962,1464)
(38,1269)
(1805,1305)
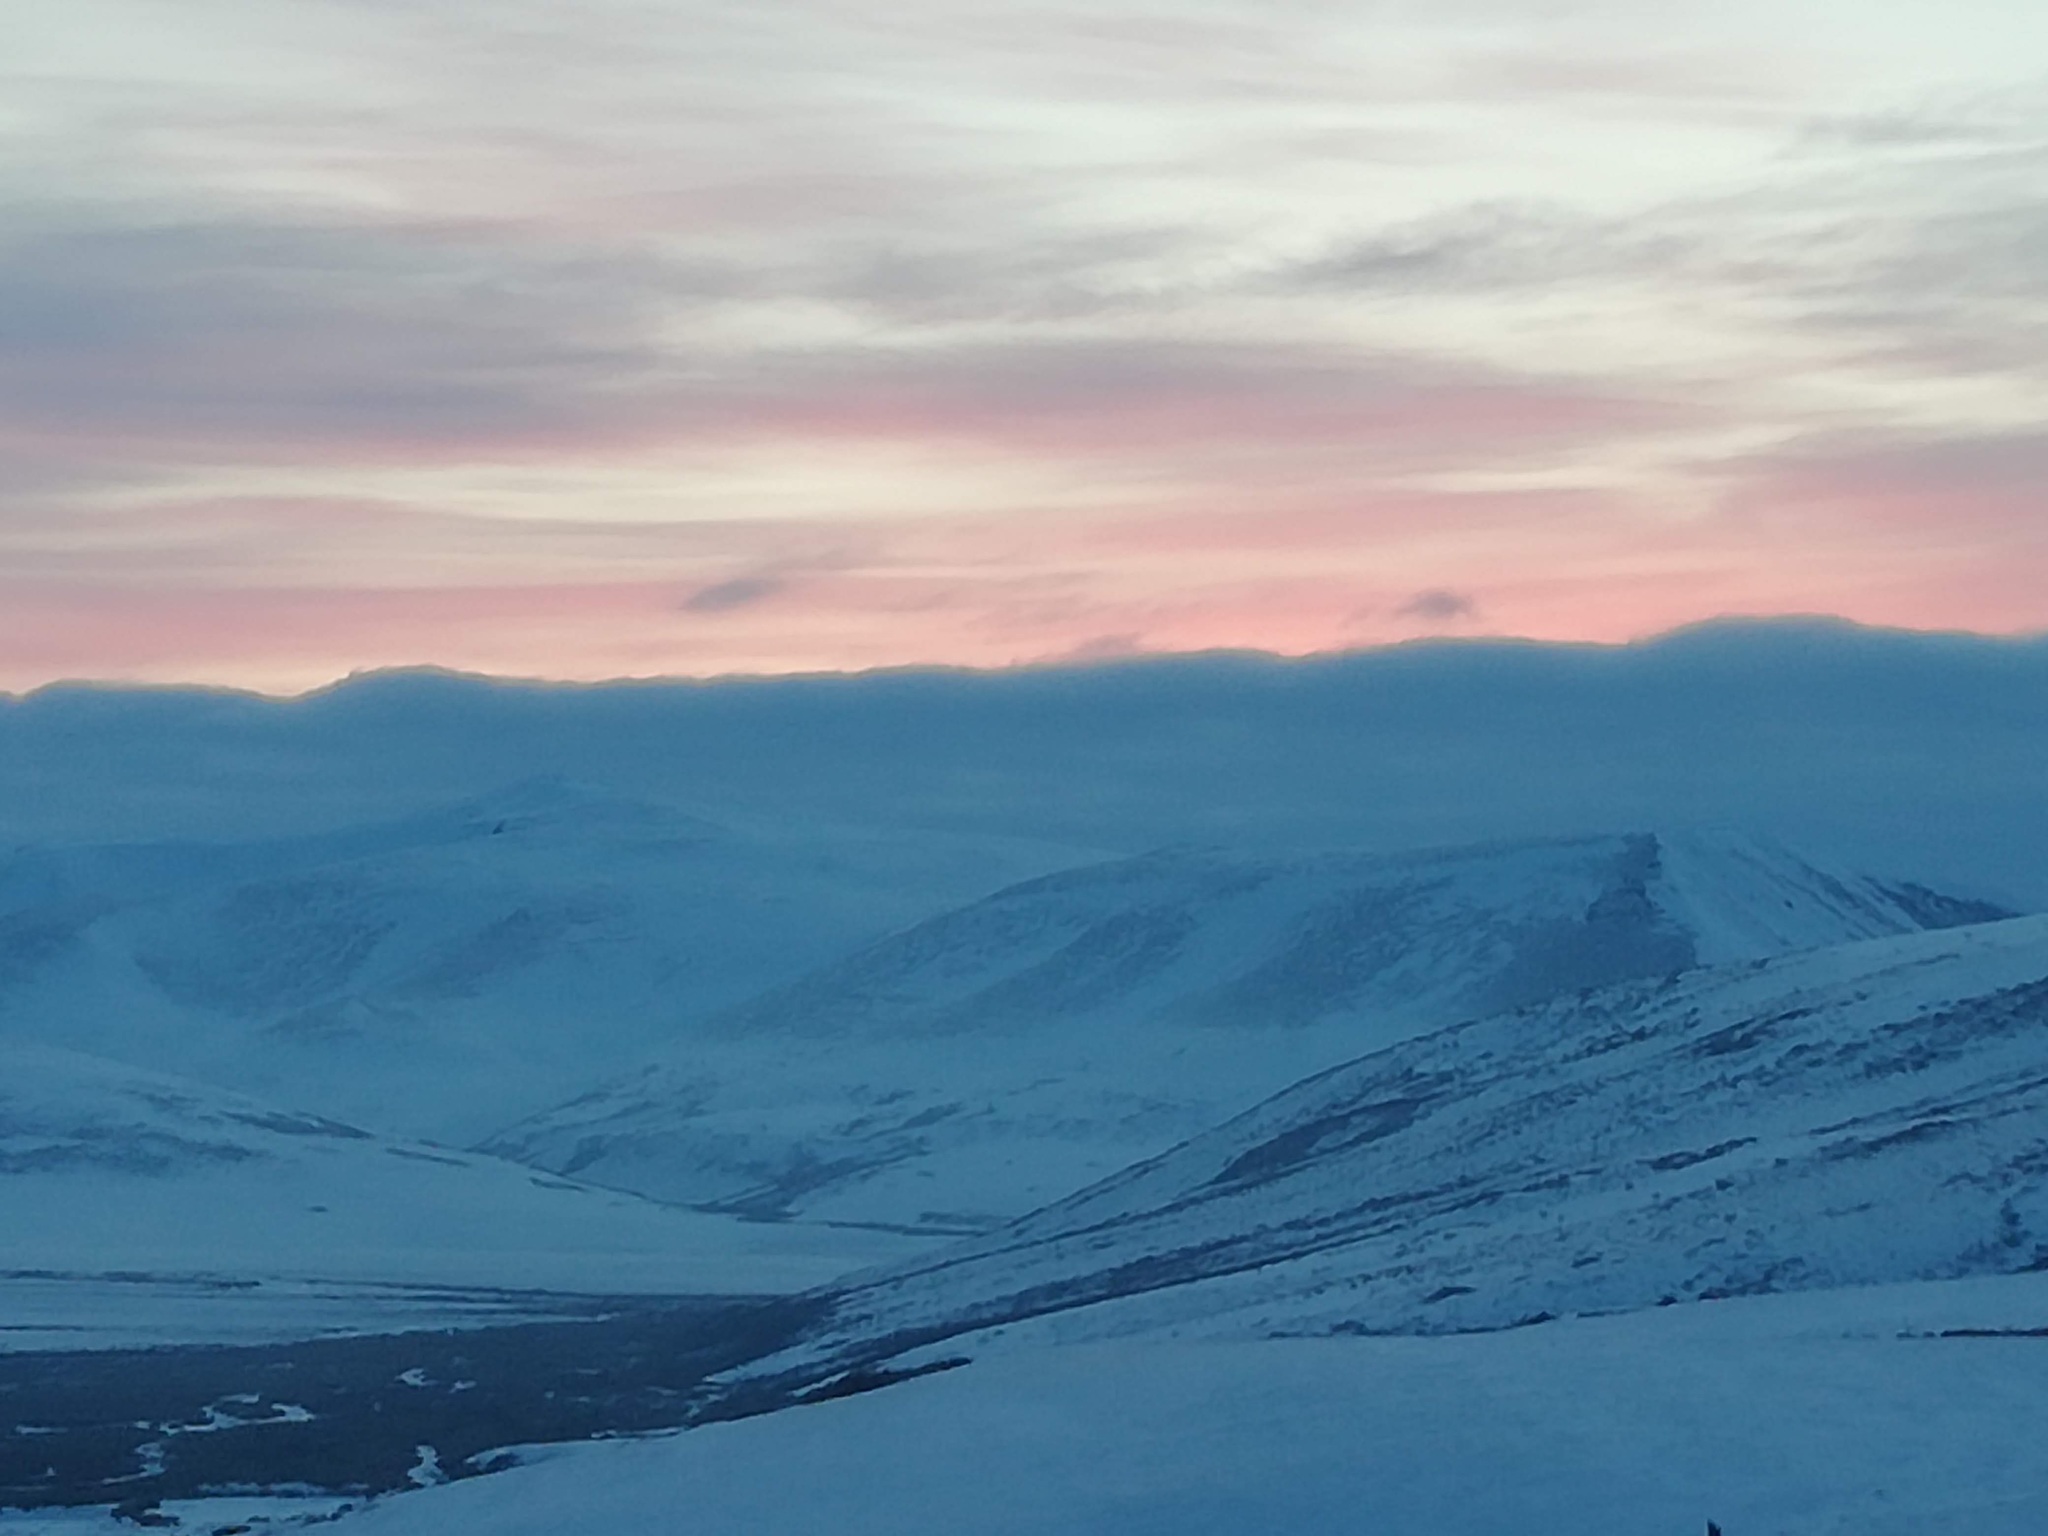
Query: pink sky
(645,337)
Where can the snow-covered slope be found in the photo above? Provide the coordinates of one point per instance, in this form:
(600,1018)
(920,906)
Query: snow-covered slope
(1867,1113)
(447,971)
(997,1057)
(1837,1414)
(107,1170)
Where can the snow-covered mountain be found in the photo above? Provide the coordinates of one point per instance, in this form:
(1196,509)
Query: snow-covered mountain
(444,972)
(1338,1120)
(107,1169)
(999,1056)
(1866,1113)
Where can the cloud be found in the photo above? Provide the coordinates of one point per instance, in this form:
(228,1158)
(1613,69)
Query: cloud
(1440,605)
(1032,276)
(181,338)
(184,335)
(1096,397)
(1098,649)
(1689,78)
(1968,121)
(739,592)
(1001,330)
(1484,245)
(1933,492)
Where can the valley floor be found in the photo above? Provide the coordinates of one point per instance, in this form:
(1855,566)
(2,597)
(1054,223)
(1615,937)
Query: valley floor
(193,1288)
(1891,1411)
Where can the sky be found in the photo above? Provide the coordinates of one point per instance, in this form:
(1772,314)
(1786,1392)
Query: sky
(701,336)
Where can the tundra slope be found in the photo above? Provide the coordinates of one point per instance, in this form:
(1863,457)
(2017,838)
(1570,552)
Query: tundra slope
(135,1204)
(1866,1113)
(986,1061)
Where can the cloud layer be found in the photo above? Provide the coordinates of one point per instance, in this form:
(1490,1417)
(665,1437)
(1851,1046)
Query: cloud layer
(688,335)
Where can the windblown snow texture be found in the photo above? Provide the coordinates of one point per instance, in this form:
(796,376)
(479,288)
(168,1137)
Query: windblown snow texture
(1871,1112)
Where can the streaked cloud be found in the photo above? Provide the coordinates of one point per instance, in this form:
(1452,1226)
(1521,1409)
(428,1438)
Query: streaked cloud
(696,335)
(735,592)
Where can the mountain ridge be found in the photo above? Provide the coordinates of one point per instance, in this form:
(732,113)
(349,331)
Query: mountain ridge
(1866,1113)
(963,1068)
(1728,630)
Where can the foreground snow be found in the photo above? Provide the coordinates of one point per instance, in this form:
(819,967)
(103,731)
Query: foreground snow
(1817,1415)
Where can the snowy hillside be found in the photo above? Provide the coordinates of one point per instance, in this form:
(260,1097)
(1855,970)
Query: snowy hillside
(1846,1413)
(1244,1152)
(1869,1113)
(444,972)
(108,1172)
(1004,1054)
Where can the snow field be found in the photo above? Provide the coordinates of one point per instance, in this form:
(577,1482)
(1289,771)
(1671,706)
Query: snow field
(1817,1415)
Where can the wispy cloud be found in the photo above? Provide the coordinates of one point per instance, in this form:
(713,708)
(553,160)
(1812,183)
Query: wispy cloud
(736,592)
(211,341)
(1440,605)
(744,336)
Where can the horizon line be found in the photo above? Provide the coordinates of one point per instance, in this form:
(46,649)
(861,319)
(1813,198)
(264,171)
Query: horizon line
(1809,622)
